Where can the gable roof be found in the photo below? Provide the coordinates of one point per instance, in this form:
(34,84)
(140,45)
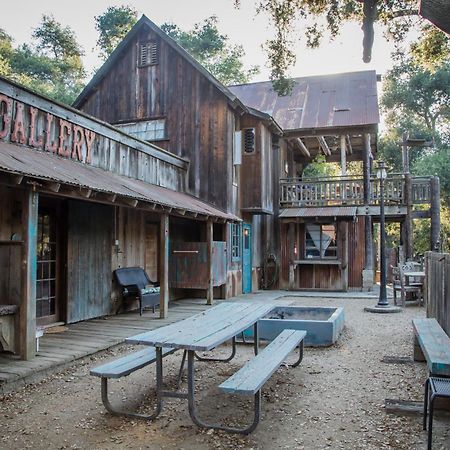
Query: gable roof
(144,21)
(325,101)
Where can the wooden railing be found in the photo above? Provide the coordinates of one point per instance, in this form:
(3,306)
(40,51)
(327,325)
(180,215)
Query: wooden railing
(350,191)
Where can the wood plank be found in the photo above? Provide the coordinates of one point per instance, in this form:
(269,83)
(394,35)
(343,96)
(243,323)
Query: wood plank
(250,378)
(164,266)
(209,262)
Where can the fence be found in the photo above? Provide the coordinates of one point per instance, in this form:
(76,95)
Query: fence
(437,288)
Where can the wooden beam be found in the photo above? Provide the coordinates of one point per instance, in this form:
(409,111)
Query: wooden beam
(86,193)
(209,263)
(53,186)
(324,146)
(130,201)
(164,266)
(435,214)
(27,312)
(343,156)
(17,179)
(303,149)
(368,228)
(349,144)
(408,225)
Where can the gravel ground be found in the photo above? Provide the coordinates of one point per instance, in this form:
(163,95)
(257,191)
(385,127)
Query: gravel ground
(333,400)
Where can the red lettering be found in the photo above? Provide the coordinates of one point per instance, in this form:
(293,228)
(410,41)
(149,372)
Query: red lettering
(90,136)
(5,115)
(65,130)
(78,141)
(40,140)
(18,134)
(50,146)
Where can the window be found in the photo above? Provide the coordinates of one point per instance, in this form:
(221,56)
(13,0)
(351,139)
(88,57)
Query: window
(249,140)
(148,54)
(320,241)
(149,130)
(235,241)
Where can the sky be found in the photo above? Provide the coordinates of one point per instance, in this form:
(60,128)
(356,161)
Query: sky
(242,26)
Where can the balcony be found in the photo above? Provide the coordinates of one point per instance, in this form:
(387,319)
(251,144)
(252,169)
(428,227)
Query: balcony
(349,191)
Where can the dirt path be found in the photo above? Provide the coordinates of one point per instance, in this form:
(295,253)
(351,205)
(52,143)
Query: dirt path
(333,400)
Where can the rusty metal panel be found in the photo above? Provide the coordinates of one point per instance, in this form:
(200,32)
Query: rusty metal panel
(45,166)
(330,211)
(338,100)
(188,268)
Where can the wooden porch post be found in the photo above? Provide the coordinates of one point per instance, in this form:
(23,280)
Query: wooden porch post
(343,156)
(368,230)
(209,253)
(291,254)
(27,313)
(405,153)
(435,214)
(164,266)
(344,267)
(408,242)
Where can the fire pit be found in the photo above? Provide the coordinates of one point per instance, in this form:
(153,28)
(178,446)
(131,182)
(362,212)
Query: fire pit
(322,324)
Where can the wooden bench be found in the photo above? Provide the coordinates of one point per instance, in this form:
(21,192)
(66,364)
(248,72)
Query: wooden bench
(431,344)
(123,367)
(136,284)
(249,379)
(7,327)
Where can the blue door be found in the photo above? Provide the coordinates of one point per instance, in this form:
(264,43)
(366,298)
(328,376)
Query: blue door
(246,258)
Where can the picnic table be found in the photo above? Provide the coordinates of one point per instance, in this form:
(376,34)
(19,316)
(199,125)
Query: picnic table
(199,333)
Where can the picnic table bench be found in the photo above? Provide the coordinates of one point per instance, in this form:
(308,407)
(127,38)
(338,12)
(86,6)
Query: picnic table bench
(136,284)
(431,344)
(205,332)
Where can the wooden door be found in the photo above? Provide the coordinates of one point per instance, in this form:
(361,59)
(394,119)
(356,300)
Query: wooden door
(89,270)
(48,267)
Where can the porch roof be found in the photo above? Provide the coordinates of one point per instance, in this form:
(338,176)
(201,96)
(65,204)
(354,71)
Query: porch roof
(48,167)
(326,211)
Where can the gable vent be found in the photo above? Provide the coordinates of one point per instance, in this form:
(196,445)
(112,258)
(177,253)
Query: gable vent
(249,140)
(148,54)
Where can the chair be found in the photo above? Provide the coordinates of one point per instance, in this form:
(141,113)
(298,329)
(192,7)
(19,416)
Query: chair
(136,284)
(413,266)
(399,284)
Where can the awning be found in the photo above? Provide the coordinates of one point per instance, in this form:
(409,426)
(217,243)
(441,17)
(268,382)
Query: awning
(49,167)
(325,211)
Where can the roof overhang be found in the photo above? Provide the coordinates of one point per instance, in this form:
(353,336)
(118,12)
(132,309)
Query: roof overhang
(50,172)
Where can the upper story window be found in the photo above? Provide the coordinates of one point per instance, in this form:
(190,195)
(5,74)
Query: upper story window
(149,130)
(320,241)
(148,54)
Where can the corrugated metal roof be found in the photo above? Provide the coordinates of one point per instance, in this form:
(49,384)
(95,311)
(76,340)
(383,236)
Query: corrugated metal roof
(46,166)
(326,211)
(325,101)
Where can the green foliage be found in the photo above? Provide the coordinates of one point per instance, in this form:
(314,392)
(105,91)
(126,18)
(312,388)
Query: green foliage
(212,50)
(51,66)
(319,168)
(433,49)
(112,27)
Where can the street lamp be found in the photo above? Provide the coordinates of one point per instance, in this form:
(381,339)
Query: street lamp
(382,299)
(383,305)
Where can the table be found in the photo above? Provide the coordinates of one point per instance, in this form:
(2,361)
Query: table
(202,332)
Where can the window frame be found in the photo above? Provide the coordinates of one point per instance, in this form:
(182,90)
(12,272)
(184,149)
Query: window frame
(236,242)
(320,257)
(152,61)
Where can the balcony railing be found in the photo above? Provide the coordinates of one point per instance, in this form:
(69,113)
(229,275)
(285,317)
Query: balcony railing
(349,191)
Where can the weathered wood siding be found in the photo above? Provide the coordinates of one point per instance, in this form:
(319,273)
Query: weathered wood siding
(199,125)
(89,274)
(437,288)
(42,125)
(257,169)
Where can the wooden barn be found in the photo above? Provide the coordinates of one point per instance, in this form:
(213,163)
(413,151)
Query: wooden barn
(326,224)
(153,89)
(79,199)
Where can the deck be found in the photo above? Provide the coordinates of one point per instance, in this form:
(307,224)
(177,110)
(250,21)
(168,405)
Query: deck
(58,350)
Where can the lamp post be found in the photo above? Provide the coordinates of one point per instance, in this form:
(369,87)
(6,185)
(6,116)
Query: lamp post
(383,305)
(382,299)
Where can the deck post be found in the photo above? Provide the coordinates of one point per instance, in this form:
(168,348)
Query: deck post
(344,258)
(164,266)
(408,233)
(291,254)
(27,312)
(405,153)
(368,273)
(209,256)
(343,156)
(435,214)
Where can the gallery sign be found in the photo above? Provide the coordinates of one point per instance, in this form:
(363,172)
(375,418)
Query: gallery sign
(26,125)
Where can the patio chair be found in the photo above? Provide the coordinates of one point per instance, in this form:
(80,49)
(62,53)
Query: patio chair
(399,284)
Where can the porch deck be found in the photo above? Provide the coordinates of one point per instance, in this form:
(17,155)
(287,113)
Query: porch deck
(58,350)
